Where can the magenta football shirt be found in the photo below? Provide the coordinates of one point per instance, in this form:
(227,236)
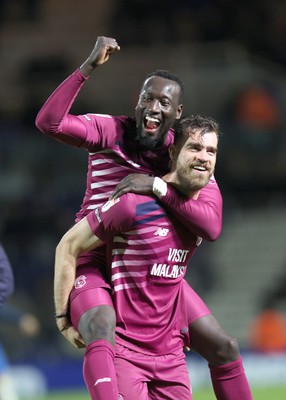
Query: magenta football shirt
(149,252)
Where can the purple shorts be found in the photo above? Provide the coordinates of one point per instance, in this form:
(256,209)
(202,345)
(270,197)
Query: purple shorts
(90,288)
(145,377)
(195,306)
(192,309)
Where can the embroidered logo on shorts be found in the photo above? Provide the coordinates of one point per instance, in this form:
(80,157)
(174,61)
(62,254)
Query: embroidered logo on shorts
(80,282)
(109,204)
(185,330)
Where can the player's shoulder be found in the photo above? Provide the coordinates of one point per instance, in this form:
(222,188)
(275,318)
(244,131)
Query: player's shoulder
(211,190)
(132,204)
(124,204)
(212,183)
(121,211)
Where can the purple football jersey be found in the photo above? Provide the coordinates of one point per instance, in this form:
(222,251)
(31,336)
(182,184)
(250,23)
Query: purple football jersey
(148,256)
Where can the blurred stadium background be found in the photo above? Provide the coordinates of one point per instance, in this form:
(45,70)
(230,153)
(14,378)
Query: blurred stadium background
(232,59)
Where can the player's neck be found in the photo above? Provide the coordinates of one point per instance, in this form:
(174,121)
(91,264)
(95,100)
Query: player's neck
(172,179)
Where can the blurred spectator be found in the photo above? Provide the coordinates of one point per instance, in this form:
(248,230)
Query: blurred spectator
(268,331)
(253,140)
(6,277)
(29,326)
(26,323)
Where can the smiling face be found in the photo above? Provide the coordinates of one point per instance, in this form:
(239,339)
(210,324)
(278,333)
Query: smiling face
(194,161)
(157,109)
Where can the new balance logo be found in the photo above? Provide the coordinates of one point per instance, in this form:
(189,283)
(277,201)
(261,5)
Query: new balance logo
(161,232)
(100,380)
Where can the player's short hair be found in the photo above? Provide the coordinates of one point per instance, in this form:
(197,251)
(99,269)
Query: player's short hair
(192,123)
(163,73)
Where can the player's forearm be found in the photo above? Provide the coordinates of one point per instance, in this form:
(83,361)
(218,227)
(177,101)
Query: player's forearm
(65,270)
(202,217)
(52,115)
(87,68)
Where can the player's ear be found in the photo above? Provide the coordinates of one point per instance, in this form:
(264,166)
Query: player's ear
(172,153)
(179,111)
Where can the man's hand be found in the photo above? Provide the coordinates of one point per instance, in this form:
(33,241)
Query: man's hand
(103,49)
(70,333)
(134,183)
(73,336)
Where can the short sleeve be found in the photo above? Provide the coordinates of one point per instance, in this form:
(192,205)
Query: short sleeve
(113,217)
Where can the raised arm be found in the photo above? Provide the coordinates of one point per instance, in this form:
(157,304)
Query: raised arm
(78,239)
(54,119)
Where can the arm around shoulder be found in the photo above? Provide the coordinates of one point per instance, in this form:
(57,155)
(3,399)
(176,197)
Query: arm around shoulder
(202,217)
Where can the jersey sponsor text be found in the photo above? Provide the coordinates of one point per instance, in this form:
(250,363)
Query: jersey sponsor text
(167,271)
(177,255)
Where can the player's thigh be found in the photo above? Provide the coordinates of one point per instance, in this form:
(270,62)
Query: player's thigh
(172,378)
(169,391)
(132,374)
(203,326)
(195,306)
(90,294)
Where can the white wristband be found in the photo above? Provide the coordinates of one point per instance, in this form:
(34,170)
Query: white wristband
(159,187)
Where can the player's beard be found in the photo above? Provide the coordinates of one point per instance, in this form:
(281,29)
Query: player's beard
(190,180)
(149,142)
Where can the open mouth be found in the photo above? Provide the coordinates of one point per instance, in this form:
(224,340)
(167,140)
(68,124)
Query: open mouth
(151,124)
(199,168)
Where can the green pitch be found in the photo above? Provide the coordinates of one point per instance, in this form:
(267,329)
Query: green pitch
(277,393)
